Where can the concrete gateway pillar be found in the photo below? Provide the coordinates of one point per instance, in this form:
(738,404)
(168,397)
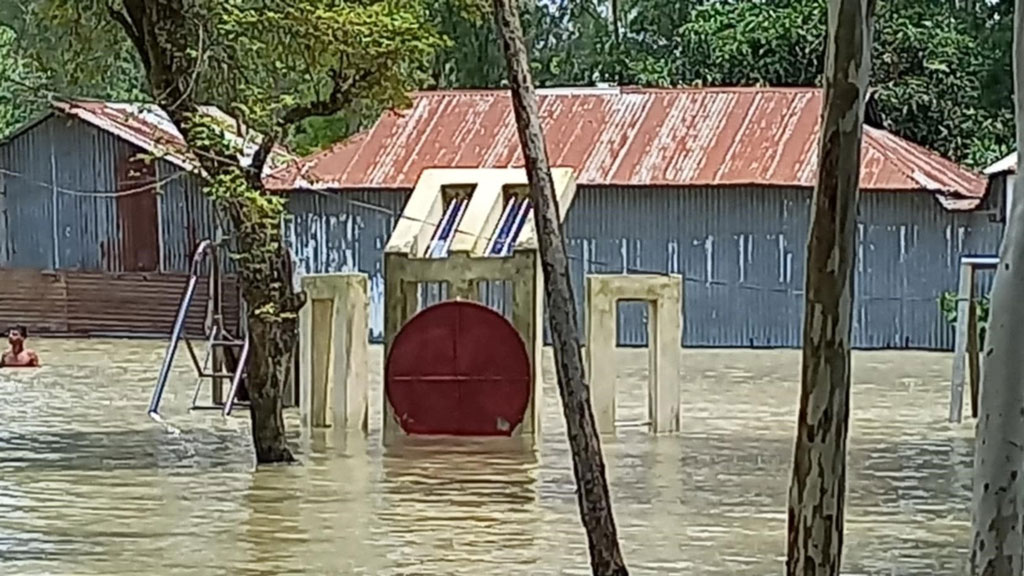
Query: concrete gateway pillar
(664,295)
(333,347)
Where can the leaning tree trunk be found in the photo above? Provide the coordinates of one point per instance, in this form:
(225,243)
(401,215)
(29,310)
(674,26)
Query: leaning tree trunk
(818,485)
(588,463)
(997,543)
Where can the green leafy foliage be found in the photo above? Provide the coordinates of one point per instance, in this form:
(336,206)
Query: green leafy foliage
(15,73)
(929,63)
(256,60)
(941,70)
(948,306)
(39,57)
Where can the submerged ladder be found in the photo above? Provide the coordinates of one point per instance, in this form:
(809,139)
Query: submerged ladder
(221,343)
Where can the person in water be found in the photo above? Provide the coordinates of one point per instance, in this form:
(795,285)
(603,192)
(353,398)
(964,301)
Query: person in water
(17,356)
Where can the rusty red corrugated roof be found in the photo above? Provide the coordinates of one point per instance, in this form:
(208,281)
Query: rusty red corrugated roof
(626,137)
(148,127)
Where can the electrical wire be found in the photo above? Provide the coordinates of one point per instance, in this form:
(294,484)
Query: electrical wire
(152,186)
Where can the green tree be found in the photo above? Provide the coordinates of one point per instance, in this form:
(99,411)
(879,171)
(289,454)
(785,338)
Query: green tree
(34,67)
(941,77)
(272,64)
(15,73)
(931,61)
(942,74)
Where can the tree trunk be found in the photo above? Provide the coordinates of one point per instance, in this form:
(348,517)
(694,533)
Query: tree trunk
(265,270)
(165,34)
(271,345)
(273,335)
(997,543)
(588,463)
(818,485)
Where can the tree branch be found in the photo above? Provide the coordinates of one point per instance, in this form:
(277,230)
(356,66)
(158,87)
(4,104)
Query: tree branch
(254,172)
(339,97)
(132,30)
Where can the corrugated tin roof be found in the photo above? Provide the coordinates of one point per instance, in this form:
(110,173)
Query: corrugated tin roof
(627,137)
(148,127)
(1006,164)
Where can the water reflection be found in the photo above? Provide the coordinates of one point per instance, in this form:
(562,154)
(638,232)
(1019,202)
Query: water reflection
(89,485)
(472,505)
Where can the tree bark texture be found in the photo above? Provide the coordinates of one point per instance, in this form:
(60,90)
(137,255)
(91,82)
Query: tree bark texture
(584,441)
(165,34)
(997,543)
(818,483)
(271,349)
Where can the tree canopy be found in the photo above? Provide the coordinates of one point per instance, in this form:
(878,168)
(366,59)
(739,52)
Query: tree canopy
(269,64)
(941,70)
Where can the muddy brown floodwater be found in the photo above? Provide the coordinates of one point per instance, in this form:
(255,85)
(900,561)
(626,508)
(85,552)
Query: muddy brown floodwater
(90,485)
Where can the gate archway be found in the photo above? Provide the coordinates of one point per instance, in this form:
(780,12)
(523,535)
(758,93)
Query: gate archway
(458,368)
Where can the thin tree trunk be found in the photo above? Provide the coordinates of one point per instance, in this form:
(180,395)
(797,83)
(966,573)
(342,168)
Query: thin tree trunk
(997,544)
(588,463)
(818,485)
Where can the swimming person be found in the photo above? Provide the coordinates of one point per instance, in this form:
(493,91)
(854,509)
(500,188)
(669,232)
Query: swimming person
(17,356)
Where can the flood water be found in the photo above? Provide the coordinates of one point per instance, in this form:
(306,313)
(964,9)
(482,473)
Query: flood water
(90,485)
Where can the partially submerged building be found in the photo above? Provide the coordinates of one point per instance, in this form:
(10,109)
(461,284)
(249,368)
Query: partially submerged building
(100,211)
(714,184)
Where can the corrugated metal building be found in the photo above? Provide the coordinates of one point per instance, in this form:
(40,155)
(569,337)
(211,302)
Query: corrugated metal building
(710,183)
(103,198)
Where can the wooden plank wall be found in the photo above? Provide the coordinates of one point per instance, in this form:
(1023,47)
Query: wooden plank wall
(95,303)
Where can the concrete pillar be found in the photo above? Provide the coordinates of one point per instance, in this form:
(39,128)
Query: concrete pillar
(334,369)
(965,348)
(600,353)
(665,342)
(664,295)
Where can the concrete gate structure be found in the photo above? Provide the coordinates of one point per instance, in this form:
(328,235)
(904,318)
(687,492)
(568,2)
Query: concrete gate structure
(967,357)
(333,352)
(462,228)
(664,295)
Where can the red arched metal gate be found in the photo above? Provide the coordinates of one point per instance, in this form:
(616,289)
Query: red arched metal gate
(458,368)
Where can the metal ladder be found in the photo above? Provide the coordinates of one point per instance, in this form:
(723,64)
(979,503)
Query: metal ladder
(219,340)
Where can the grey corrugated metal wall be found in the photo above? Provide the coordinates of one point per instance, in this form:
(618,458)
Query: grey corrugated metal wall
(187,218)
(68,168)
(345,233)
(742,250)
(28,190)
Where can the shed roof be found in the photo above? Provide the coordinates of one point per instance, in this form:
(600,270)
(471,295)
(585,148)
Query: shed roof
(627,137)
(148,127)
